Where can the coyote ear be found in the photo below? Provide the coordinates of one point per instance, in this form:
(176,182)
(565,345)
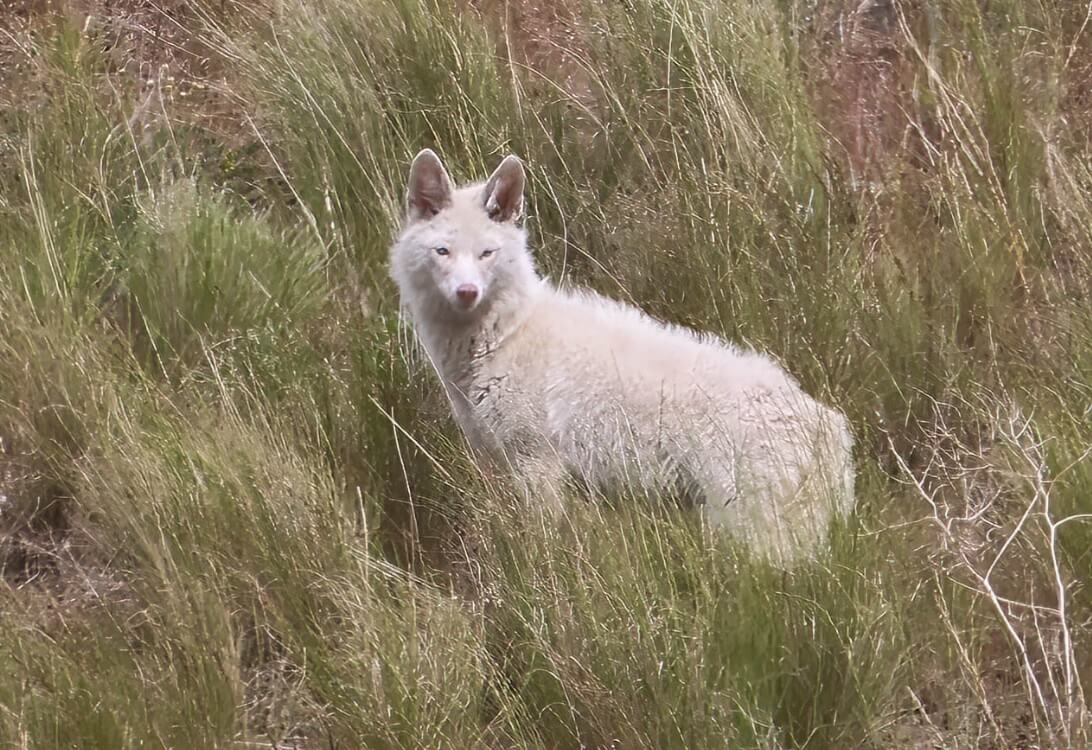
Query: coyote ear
(503,193)
(428,190)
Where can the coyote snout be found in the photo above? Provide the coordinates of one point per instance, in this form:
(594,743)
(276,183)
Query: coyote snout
(467,295)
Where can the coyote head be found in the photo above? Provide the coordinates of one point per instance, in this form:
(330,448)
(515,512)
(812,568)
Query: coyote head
(460,249)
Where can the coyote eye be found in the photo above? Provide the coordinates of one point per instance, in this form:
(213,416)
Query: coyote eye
(442,251)
(487,253)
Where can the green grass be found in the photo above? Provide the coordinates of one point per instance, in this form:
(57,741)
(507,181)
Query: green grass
(235,512)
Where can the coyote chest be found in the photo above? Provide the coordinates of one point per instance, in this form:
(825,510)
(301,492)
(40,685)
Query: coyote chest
(484,391)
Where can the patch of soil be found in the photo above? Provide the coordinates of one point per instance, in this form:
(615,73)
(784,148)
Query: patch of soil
(862,83)
(51,569)
(158,58)
(33,519)
(547,37)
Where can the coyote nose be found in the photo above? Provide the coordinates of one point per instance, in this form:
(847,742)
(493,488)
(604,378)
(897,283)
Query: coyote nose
(467,293)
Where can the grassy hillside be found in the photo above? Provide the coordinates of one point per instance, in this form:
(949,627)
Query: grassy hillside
(234,511)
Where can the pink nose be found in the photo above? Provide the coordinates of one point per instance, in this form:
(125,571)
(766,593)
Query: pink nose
(467,293)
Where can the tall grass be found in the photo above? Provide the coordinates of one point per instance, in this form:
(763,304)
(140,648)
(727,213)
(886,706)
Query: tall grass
(234,511)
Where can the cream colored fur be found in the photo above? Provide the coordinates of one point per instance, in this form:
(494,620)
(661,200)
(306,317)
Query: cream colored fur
(562,385)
